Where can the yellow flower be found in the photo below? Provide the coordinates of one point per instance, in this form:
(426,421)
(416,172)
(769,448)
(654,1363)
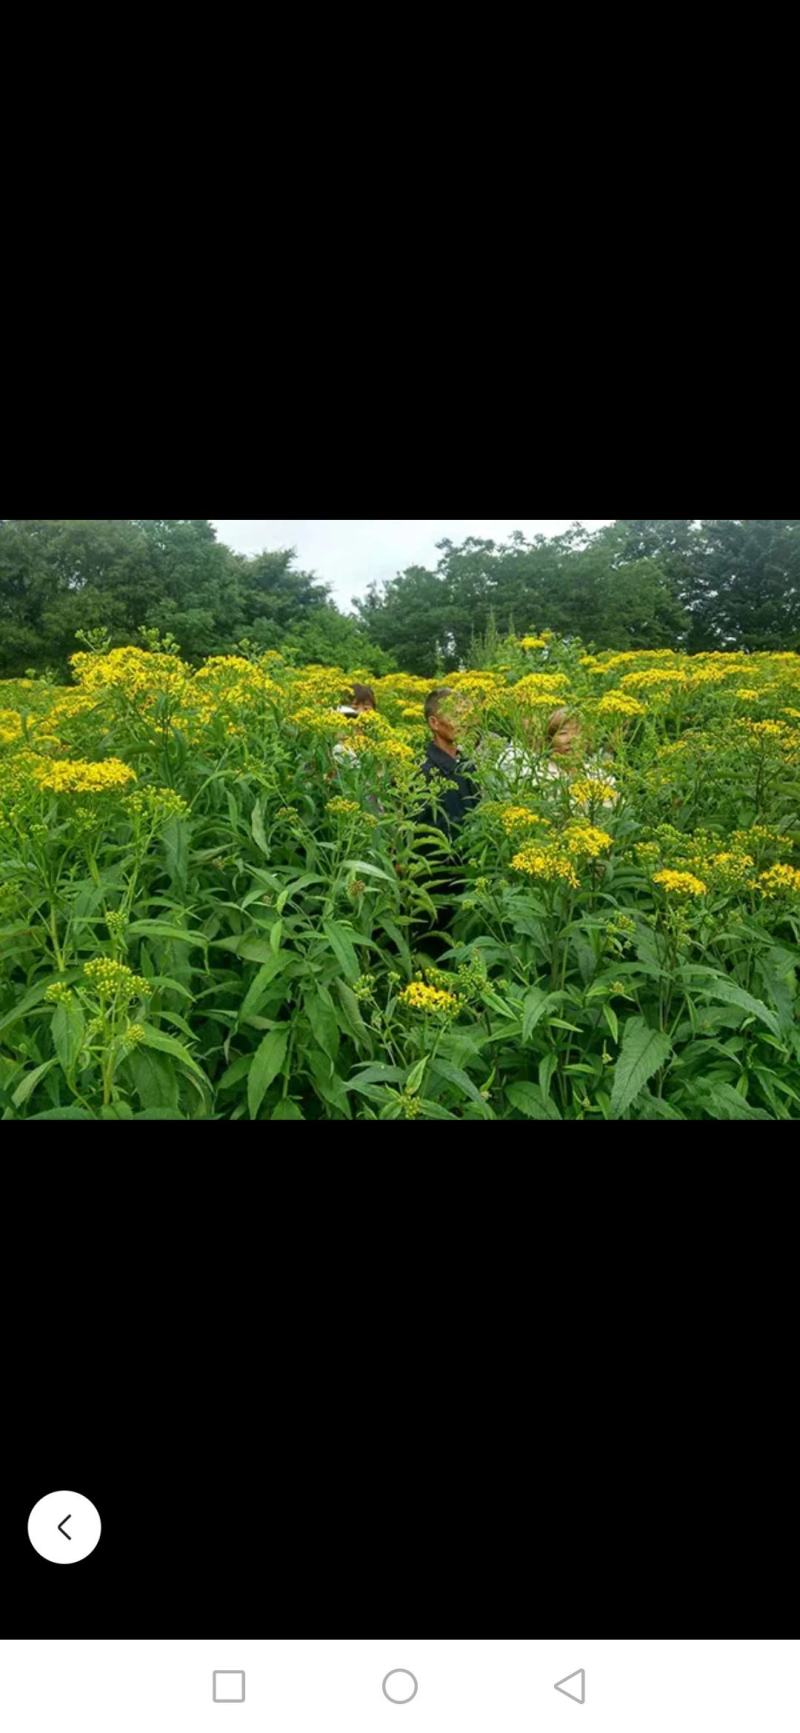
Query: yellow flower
(518,818)
(780,881)
(680,884)
(746,693)
(546,864)
(339,808)
(532,684)
(75,776)
(533,643)
(419,997)
(586,839)
(653,677)
(620,704)
(590,789)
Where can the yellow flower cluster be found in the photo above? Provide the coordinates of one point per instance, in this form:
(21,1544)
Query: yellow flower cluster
(536,643)
(135,672)
(10,727)
(648,678)
(547,864)
(112,980)
(340,808)
(680,884)
(74,776)
(532,684)
(780,881)
(419,997)
(620,704)
(588,790)
(586,840)
(518,818)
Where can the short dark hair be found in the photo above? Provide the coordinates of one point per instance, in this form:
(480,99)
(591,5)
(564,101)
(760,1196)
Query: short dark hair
(363,695)
(433,700)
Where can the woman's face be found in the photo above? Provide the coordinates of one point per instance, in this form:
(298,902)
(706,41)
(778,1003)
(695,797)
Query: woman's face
(566,739)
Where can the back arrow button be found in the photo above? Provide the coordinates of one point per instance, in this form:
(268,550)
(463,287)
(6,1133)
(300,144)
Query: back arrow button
(62,1530)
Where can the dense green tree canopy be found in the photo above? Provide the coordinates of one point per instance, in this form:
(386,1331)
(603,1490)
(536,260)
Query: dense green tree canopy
(696,584)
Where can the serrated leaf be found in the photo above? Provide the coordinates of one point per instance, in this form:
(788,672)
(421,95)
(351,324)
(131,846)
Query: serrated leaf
(643,1052)
(267,1062)
(730,993)
(528,1099)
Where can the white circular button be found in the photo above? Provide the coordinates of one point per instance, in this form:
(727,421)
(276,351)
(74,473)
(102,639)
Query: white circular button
(64,1527)
(400,1686)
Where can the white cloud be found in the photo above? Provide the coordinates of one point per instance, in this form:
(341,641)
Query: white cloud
(349,552)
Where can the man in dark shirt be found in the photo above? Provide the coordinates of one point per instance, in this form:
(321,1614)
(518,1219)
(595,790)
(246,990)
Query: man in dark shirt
(454,790)
(442,763)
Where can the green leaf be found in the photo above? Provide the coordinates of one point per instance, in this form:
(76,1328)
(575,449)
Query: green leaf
(453,1074)
(340,940)
(724,1102)
(159,1113)
(547,1066)
(612,1021)
(274,965)
(534,1006)
(376,1074)
(25,1089)
(236,1072)
(296,885)
(528,1099)
(31,999)
(643,1051)
(67,1029)
(352,1011)
(267,1062)
(168,1044)
(286,1110)
(154,1079)
(62,1113)
(275,936)
(257,827)
(165,930)
(729,993)
(324,1026)
(363,866)
(328,1084)
(415,1075)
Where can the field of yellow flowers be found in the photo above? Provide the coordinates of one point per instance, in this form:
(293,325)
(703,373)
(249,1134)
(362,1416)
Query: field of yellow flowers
(205,913)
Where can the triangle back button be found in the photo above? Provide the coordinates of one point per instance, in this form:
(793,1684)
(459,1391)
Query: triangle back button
(578,1683)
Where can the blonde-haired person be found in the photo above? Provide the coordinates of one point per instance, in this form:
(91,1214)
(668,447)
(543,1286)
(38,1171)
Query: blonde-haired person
(523,766)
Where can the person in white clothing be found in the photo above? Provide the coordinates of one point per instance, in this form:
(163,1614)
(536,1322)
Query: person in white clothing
(521,766)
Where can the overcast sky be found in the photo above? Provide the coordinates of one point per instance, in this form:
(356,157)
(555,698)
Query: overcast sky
(349,552)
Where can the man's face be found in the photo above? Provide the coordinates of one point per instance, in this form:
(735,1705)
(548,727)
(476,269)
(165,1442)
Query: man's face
(450,719)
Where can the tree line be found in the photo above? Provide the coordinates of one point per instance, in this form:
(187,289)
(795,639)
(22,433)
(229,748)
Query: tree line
(694,584)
